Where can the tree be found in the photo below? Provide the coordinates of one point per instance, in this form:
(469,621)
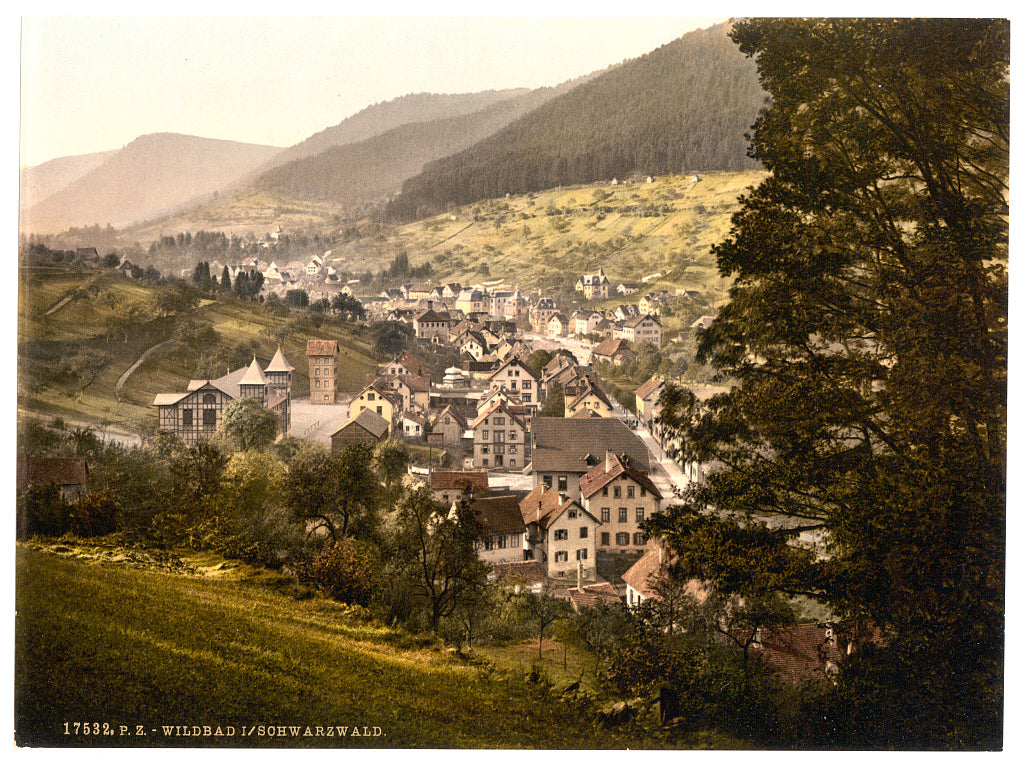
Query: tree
(225,279)
(436,550)
(390,463)
(543,609)
(867,327)
(249,424)
(336,493)
(390,337)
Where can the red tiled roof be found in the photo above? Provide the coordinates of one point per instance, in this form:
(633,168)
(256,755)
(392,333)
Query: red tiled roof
(458,480)
(610,469)
(649,387)
(322,348)
(519,571)
(544,505)
(805,652)
(61,471)
(593,596)
(611,347)
(498,514)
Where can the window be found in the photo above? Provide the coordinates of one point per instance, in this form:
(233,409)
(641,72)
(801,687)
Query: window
(630,491)
(499,420)
(581,554)
(380,409)
(605,538)
(621,538)
(616,492)
(512,449)
(526,398)
(513,540)
(561,556)
(369,396)
(485,462)
(639,539)
(639,515)
(572,513)
(502,541)
(317,372)
(547,481)
(209,418)
(209,398)
(511,435)
(527,385)
(328,398)
(604,491)
(316,383)
(606,514)
(186,418)
(488,544)
(484,449)
(485,435)
(623,515)
(561,534)
(563,483)
(643,491)
(512,461)
(583,532)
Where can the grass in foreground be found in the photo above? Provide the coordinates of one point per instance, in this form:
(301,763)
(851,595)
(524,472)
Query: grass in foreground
(140,649)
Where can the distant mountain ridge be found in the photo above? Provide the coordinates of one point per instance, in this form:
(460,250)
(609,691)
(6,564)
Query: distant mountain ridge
(152,175)
(361,172)
(41,181)
(684,107)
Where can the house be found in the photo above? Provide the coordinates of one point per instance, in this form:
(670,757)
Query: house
(591,400)
(541,313)
(528,574)
(613,351)
(647,396)
(323,371)
(648,304)
(448,428)
(811,651)
(584,597)
(451,290)
(703,322)
(564,450)
(431,326)
(621,497)
(88,256)
(412,390)
(472,343)
(379,399)
(472,301)
(366,427)
(557,326)
(520,380)
(68,474)
(596,285)
(643,578)
(641,329)
(450,486)
(584,321)
(625,312)
(626,288)
(502,530)
(419,291)
(196,413)
(414,425)
(500,439)
(561,534)
(402,364)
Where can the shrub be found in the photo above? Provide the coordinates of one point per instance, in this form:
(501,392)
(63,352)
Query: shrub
(93,515)
(345,571)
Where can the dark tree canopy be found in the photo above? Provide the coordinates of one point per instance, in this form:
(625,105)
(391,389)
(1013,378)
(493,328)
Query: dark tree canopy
(867,326)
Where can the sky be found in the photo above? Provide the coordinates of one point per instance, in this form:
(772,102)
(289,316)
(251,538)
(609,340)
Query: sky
(95,83)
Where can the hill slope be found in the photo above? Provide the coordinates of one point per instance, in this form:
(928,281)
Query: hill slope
(360,172)
(211,644)
(683,107)
(385,116)
(152,175)
(42,181)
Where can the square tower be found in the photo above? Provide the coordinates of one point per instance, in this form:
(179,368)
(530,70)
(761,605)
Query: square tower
(323,371)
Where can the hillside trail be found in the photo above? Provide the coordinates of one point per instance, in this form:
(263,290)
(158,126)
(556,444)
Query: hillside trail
(141,360)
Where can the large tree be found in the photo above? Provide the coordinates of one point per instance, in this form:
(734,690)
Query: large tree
(867,327)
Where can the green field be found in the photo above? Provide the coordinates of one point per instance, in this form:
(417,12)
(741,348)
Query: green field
(199,643)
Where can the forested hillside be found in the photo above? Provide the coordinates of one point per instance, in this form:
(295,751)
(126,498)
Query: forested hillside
(686,106)
(359,172)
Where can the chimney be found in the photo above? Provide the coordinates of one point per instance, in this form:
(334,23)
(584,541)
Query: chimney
(609,461)
(579,576)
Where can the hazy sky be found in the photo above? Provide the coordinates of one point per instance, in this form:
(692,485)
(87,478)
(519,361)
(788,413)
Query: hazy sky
(92,83)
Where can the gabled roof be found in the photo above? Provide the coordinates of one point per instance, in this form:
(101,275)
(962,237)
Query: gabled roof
(544,505)
(561,444)
(593,595)
(591,390)
(649,387)
(416,383)
(432,316)
(503,407)
(519,571)
(279,363)
(612,468)
(497,514)
(515,361)
(645,573)
(450,410)
(610,348)
(322,348)
(62,471)
(458,479)
(369,420)
(637,320)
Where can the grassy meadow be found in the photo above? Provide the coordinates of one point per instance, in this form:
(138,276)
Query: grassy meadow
(104,638)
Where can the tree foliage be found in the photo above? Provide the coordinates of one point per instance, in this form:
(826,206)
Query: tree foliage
(867,326)
(249,424)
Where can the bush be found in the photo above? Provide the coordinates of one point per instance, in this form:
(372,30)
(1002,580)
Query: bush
(345,571)
(93,515)
(43,511)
